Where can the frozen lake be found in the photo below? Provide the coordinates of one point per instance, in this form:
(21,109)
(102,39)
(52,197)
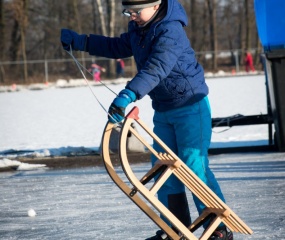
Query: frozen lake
(86,204)
(55,121)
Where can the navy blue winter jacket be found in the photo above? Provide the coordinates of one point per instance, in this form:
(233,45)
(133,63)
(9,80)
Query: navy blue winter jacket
(167,67)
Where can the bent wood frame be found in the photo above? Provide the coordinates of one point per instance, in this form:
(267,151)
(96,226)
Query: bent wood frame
(167,164)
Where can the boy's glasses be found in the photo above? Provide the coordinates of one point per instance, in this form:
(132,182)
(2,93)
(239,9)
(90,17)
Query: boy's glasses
(132,14)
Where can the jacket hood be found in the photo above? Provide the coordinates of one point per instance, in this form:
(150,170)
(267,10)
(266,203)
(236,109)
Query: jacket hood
(175,12)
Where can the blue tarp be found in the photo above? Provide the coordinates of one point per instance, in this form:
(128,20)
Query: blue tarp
(270,20)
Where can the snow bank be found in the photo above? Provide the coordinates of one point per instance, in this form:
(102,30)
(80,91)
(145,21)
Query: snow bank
(71,83)
(19,166)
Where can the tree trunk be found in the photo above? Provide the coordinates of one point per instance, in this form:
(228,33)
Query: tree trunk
(94,17)
(112,7)
(2,31)
(79,27)
(112,14)
(202,44)
(247,25)
(102,19)
(20,8)
(23,37)
(24,55)
(240,32)
(213,31)
(193,17)
(2,41)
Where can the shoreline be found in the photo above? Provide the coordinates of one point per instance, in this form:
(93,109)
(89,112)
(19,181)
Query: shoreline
(69,162)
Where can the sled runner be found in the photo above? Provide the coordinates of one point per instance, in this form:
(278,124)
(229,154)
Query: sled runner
(168,163)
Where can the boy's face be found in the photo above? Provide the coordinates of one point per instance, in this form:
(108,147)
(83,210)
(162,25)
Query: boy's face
(143,15)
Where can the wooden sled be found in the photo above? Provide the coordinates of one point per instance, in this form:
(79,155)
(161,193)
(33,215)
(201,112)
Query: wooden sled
(168,163)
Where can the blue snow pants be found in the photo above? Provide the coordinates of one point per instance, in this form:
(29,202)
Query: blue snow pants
(187,132)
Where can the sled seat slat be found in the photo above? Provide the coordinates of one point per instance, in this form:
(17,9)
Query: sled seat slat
(208,197)
(195,185)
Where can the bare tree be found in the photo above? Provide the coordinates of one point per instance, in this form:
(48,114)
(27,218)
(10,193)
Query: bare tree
(2,30)
(111,6)
(30,29)
(19,8)
(79,26)
(193,22)
(213,31)
(102,18)
(107,14)
(112,15)
(247,25)
(2,41)
(95,17)
(241,29)
(227,32)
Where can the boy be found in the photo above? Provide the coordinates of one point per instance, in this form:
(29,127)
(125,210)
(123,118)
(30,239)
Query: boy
(170,74)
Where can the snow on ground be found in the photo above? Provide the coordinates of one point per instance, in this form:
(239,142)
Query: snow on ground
(63,121)
(66,119)
(4,163)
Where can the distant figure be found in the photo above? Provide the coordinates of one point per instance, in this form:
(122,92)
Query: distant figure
(96,71)
(262,61)
(120,66)
(248,62)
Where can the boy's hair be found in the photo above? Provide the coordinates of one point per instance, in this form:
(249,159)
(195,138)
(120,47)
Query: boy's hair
(132,4)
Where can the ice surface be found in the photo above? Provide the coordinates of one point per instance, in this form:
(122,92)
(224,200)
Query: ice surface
(86,204)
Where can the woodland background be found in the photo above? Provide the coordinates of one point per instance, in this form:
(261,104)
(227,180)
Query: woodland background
(30,35)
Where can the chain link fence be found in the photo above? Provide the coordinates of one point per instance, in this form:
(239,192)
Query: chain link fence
(50,70)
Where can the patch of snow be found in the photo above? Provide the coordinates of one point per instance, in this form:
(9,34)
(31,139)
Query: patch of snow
(17,165)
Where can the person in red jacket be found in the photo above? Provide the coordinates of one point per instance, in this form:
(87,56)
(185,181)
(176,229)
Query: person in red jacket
(248,62)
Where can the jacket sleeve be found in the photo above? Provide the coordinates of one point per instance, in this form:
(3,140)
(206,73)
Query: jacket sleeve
(169,43)
(116,47)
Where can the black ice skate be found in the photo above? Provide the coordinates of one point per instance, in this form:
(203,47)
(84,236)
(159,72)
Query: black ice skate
(222,233)
(158,236)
